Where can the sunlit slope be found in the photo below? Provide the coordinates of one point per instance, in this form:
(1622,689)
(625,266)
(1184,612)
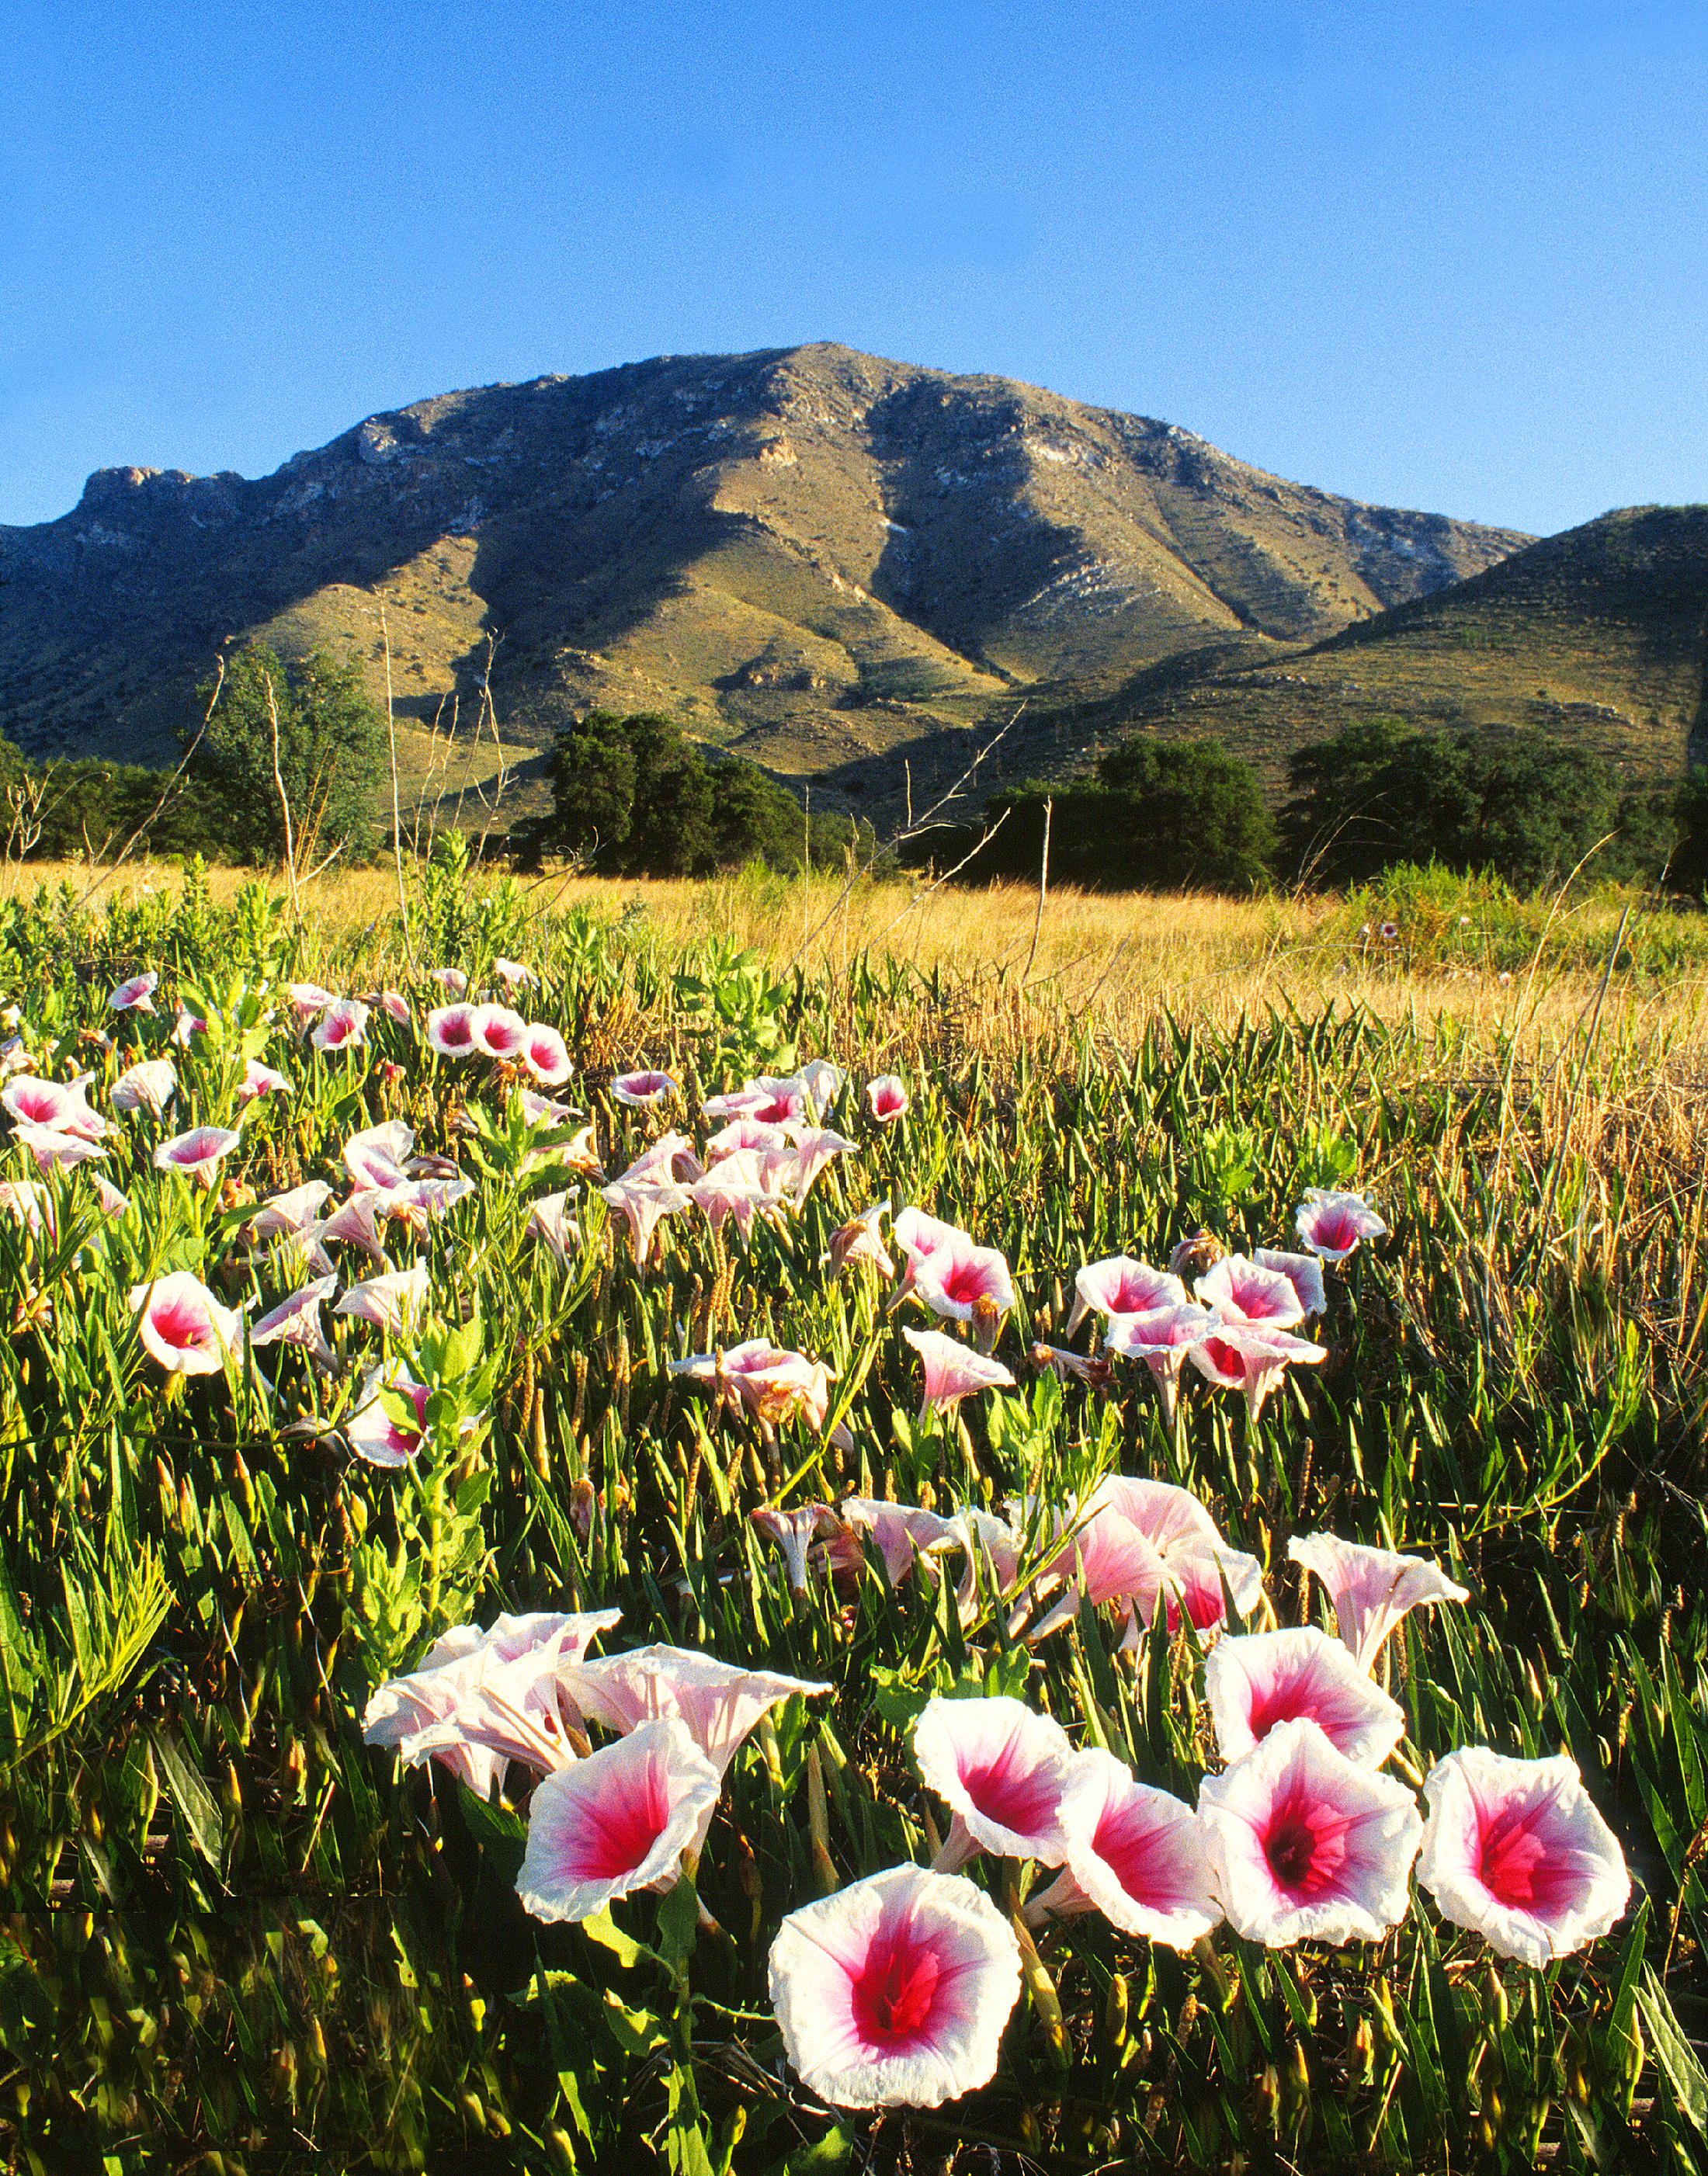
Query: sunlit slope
(812,553)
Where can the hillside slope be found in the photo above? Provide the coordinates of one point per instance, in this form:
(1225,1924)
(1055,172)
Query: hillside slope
(812,554)
(1599,634)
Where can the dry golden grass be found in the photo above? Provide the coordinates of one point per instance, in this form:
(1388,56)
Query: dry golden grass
(1114,963)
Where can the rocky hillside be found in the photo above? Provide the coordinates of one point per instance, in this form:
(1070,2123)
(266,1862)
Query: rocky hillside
(814,555)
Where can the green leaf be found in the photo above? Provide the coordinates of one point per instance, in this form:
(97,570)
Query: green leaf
(600,1927)
(194,1801)
(679,1922)
(1673,2052)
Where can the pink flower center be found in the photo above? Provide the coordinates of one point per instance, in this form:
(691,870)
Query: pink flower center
(1001,1792)
(895,1989)
(456,1032)
(1334,1230)
(180,1324)
(965,1283)
(613,1839)
(1305,1844)
(1515,1864)
(1282,1701)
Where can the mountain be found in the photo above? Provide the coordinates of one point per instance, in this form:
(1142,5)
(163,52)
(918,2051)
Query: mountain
(1599,634)
(817,558)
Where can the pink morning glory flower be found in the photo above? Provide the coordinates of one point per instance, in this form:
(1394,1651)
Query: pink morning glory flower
(1332,1224)
(54,1104)
(1371,1589)
(617,1821)
(542,1111)
(356,1224)
(393,1003)
(135,996)
(736,1103)
(793,1531)
(549,1220)
(921,1238)
(1146,1543)
(1134,1854)
(965,1283)
(772,1384)
(859,1240)
(450,1029)
(387,1301)
(1003,1772)
(813,1148)
(28,1202)
(290,1212)
(419,1202)
(1256,1681)
(824,1080)
(729,1189)
(297,1321)
(184,1326)
(1119,1286)
(1515,1851)
(1306,1845)
(308,1000)
(148,1086)
(376,1155)
(198,1154)
(513,975)
(643,1090)
(110,1201)
(1304,1272)
(1242,1355)
(526,1649)
(953,1373)
(1241,1290)
(898,1531)
(886,1098)
(184,1026)
(260,1079)
(1162,1340)
(371,1431)
(894,1993)
(343,1027)
(747,1133)
(643,1205)
(500,1033)
(546,1055)
(718,1704)
(53,1150)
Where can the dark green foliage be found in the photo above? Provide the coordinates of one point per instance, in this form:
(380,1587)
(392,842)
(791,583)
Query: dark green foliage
(1163,815)
(1687,871)
(331,754)
(1521,805)
(63,810)
(637,798)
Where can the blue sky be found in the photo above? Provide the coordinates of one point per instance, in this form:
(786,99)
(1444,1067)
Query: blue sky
(1429,253)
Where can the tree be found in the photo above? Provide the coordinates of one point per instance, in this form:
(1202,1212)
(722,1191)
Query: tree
(1172,815)
(1519,803)
(308,727)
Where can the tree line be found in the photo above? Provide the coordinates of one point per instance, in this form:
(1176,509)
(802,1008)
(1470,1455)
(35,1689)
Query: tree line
(292,758)
(1166,815)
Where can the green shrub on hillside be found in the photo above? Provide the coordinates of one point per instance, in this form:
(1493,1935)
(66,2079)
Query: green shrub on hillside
(329,754)
(1162,815)
(1521,805)
(634,798)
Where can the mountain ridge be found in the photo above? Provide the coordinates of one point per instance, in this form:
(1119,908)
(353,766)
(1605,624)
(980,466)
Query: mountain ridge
(808,554)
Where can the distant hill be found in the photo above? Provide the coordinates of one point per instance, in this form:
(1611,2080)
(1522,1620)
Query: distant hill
(827,561)
(1600,633)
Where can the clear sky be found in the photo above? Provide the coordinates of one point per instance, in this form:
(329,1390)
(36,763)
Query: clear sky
(1440,253)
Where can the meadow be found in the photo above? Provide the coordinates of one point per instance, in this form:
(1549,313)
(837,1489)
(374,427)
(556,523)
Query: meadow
(251,1924)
